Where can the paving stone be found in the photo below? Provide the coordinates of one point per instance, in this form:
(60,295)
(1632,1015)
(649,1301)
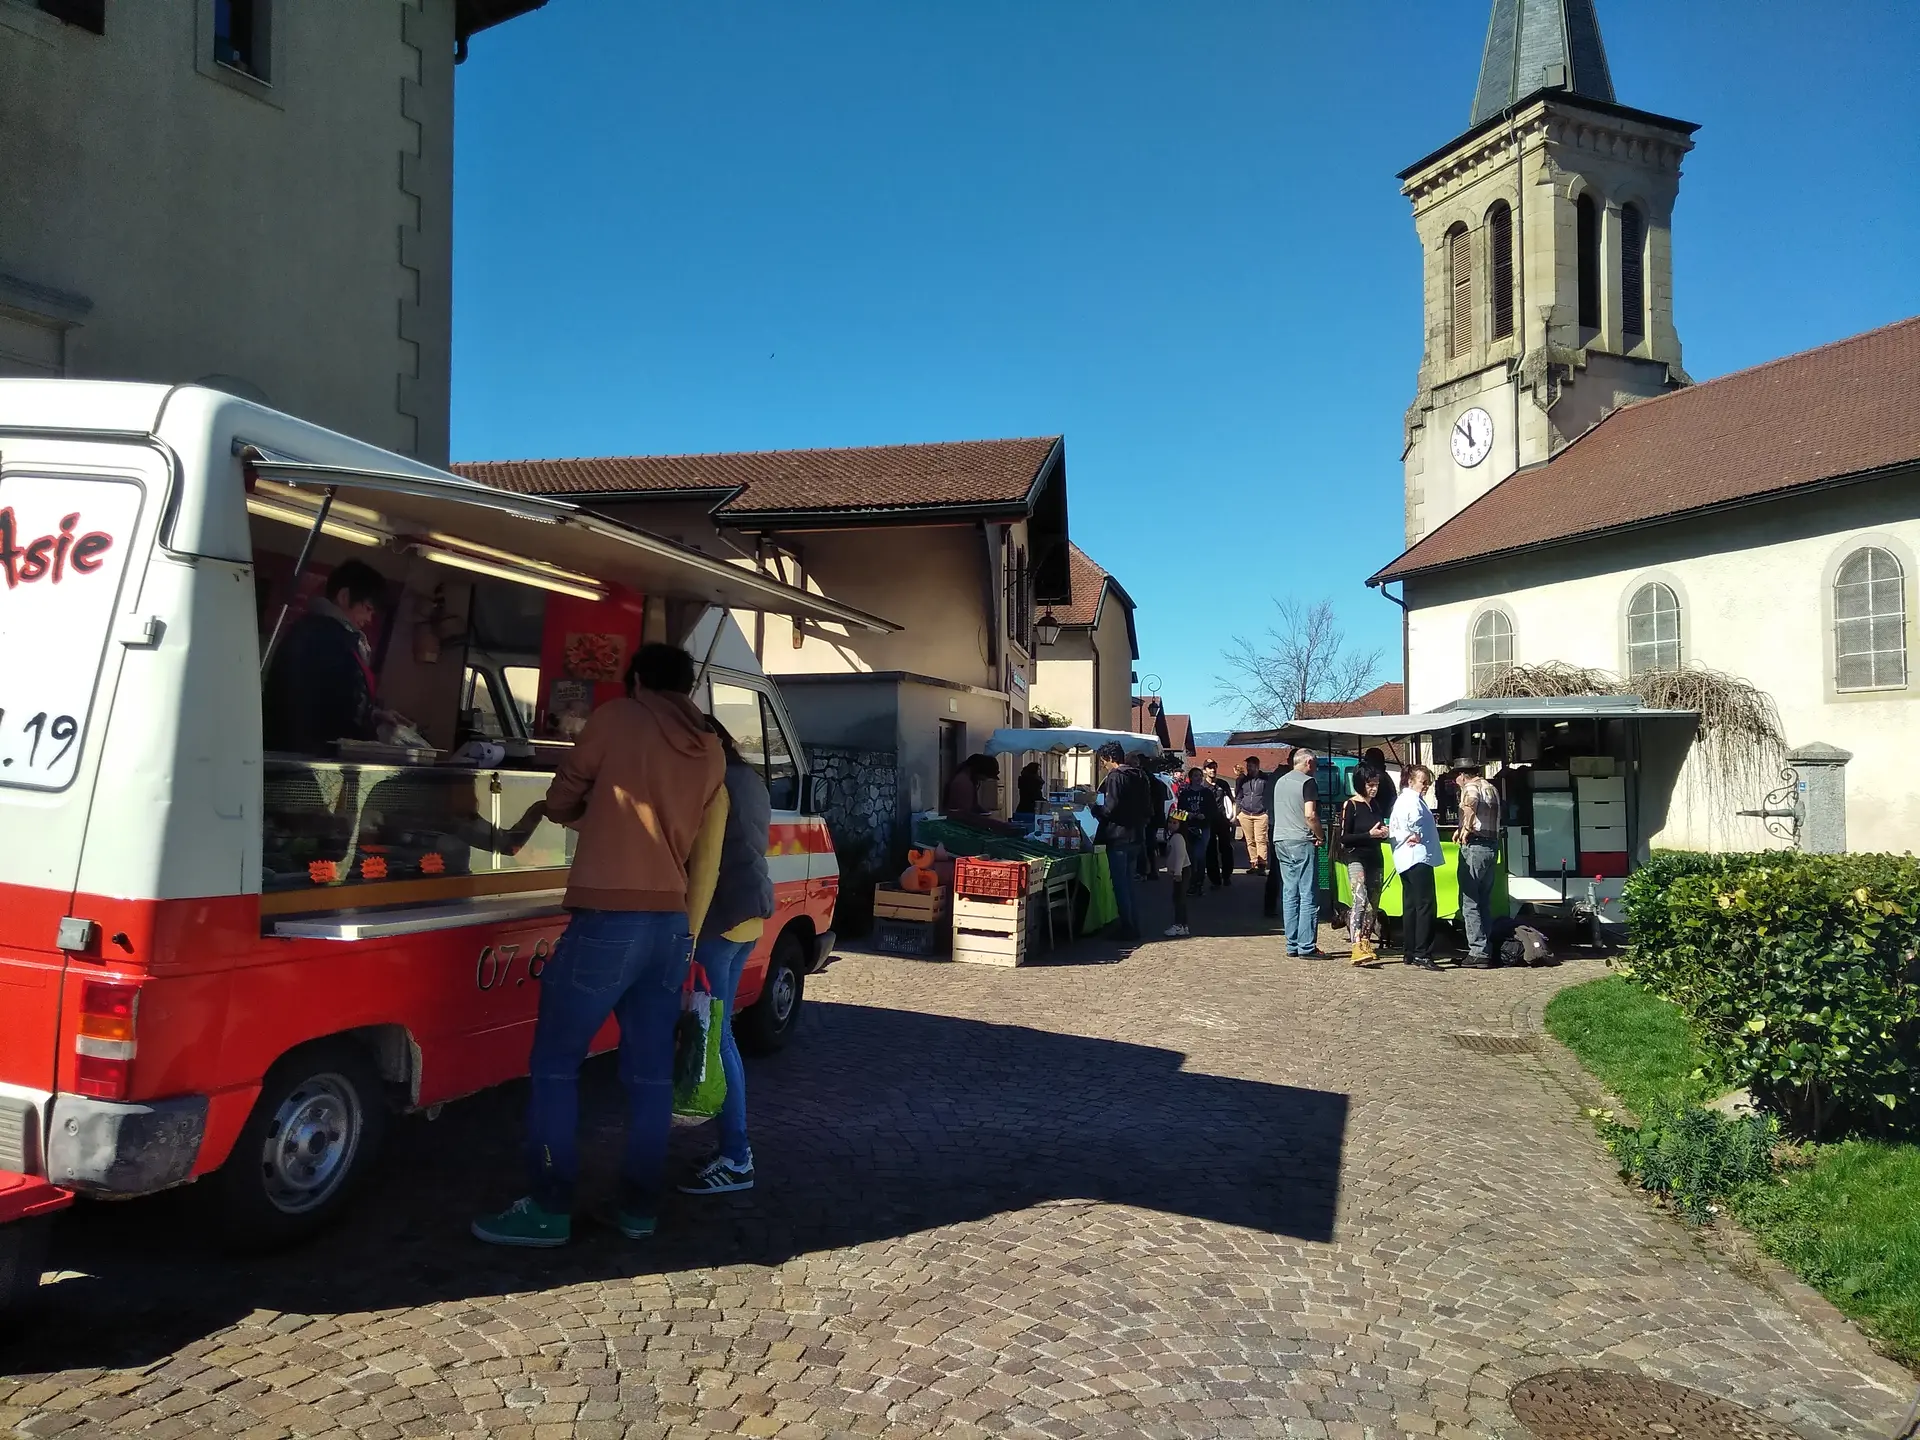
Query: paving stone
(1201,1190)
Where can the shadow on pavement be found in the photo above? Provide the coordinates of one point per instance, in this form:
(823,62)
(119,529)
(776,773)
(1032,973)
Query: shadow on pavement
(875,1124)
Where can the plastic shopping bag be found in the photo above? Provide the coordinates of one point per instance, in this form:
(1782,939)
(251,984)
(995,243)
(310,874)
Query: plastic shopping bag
(699,1080)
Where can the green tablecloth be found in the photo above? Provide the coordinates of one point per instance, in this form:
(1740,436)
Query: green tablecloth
(1446,884)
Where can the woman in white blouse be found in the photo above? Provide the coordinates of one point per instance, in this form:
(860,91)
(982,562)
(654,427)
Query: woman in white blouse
(1416,855)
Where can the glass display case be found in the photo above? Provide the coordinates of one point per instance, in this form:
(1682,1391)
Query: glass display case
(352,833)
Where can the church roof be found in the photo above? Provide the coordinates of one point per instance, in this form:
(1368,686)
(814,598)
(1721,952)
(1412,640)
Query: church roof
(1535,45)
(1842,412)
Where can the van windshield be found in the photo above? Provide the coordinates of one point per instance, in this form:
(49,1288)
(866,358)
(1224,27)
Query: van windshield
(64,547)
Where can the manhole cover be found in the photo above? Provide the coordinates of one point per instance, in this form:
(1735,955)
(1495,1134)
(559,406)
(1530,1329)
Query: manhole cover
(1613,1405)
(1495,1044)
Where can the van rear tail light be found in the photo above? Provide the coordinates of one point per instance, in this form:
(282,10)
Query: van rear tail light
(104,1043)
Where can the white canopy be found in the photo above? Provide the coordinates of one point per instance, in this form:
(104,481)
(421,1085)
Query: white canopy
(1059,740)
(1372,727)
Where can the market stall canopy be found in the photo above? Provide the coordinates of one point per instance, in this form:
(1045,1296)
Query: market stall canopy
(533,539)
(1549,709)
(1059,740)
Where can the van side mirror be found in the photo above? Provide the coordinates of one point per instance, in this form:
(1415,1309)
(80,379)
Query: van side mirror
(808,798)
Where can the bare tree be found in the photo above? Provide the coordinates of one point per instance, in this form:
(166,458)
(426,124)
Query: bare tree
(1302,656)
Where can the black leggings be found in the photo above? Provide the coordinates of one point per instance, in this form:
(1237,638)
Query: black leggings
(1419,909)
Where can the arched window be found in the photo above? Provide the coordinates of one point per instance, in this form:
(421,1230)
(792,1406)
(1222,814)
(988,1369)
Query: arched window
(1492,649)
(1870,622)
(1653,630)
(1586,238)
(1633,271)
(1460,290)
(1500,267)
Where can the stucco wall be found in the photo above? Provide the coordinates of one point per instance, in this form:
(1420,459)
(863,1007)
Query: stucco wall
(295,236)
(1755,591)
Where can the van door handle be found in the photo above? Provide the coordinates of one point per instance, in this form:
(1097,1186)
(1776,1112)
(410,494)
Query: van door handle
(140,632)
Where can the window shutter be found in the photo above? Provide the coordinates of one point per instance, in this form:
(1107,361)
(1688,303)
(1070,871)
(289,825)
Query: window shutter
(1500,232)
(1633,290)
(87,14)
(1460,272)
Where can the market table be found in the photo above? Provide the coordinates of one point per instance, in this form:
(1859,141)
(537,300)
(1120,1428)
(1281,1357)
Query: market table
(1077,867)
(1446,884)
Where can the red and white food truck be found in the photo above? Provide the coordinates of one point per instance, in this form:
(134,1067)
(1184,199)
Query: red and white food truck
(218,961)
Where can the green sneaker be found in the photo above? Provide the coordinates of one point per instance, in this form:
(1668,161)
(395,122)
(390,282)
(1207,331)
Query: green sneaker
(526,1225)
(634,1225)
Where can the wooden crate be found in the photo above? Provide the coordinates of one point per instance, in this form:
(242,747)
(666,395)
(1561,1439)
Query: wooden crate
(991,932)
(890,902)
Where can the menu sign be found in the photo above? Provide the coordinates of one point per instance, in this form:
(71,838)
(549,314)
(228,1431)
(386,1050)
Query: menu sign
(64,542)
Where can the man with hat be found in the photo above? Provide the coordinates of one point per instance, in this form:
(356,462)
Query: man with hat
(1479,840)
(1220,838)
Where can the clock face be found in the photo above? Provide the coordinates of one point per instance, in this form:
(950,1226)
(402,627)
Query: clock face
(1472,437)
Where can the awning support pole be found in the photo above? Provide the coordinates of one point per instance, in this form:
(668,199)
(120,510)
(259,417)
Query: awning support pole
(299,569)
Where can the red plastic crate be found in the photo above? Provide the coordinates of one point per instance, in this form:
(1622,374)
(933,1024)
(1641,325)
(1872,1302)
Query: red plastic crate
(990,879)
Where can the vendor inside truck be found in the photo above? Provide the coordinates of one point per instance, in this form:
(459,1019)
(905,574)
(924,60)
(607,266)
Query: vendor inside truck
(320,688)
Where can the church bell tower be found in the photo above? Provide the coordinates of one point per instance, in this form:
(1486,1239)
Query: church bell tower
(1546,238)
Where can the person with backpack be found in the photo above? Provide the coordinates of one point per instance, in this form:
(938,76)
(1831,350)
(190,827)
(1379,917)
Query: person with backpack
(1124,807)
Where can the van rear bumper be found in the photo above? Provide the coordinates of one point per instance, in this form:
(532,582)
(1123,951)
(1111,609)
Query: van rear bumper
(107,1147)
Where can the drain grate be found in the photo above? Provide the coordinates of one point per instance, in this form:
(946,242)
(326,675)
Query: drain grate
(1613,1405)
(1495,1044)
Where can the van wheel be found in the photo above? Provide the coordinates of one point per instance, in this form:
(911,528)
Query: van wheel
(765,1026)
(312,1135)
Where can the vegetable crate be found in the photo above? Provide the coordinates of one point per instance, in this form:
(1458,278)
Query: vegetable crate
(925,938)
(991,932)
(890,902)
(979,879)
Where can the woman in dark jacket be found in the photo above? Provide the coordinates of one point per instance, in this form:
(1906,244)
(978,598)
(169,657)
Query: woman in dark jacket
(1033,788)
(1361,831)
(736,920)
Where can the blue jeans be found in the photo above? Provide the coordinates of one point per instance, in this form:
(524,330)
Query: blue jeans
(1299,894)
(1476,894)
(723,960)
(1121,858)
(1197,859)
(630,964)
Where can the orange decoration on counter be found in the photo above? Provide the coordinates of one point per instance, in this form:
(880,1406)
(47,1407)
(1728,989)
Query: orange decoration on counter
(433,864)
(322,872)
(373,868)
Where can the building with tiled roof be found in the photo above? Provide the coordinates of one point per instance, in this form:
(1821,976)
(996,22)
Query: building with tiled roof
(1086,676)
(1387,699)
(1572,497)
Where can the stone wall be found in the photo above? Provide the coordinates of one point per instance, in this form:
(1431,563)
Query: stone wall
(858,793)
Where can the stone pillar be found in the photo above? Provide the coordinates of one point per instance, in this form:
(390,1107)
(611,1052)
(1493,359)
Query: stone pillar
(1821,797)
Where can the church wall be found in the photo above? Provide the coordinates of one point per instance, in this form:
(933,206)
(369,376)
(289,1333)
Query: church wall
(1755,591)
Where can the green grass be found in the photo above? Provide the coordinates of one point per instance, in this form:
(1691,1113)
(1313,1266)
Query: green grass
(1848,1223)
(1844,1217)
(1637,1044)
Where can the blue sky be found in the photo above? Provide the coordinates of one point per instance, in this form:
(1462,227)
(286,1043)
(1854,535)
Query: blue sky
(1169,232)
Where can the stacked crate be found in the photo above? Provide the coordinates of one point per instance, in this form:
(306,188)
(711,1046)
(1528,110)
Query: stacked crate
(910,922)
(992,910)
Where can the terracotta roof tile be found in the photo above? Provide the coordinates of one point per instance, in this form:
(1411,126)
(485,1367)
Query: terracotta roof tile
(1089,583)
(877,477)
(1387,699)
(1843,409)
(1180,733)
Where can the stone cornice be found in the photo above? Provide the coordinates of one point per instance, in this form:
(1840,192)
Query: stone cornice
(1561,127)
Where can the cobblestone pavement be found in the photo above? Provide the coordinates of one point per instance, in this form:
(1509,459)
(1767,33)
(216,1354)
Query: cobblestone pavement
(1202,1190)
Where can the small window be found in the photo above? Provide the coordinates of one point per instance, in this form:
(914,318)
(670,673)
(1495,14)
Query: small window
(738,709)
(1870,622)
(87,14)
(523,682)
(1633,270)
(783,775)
(1586,233)
(1653,630)
(1460,289)
(240,35)
(1500,240)
(1492,649)
(480,709)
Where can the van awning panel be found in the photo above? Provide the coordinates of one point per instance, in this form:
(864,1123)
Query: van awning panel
(541,531)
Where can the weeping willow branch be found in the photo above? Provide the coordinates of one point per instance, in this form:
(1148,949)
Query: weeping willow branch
(1740,744)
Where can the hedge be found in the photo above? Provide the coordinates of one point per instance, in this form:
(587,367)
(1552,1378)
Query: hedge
(1797,972)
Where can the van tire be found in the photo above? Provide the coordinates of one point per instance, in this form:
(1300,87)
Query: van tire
(765,1026)
(311,1138)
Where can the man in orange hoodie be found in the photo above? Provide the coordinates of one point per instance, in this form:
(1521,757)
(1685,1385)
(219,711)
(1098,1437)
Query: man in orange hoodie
(643,788)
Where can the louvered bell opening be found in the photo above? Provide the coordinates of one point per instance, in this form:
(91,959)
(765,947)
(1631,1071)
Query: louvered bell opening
(1460,273)
(1500,232)
(1586,229)
(1633,290)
